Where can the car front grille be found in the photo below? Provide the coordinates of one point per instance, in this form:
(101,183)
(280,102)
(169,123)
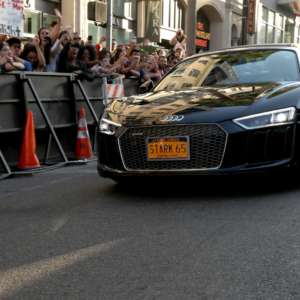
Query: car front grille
(207,146)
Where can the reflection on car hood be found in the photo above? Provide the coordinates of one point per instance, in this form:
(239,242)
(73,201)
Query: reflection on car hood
(205,104)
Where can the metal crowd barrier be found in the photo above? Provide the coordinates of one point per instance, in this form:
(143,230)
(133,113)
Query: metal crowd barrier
(54,99)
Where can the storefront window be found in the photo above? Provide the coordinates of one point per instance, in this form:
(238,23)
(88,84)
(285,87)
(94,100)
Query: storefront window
(271,30)
(279,29)
(298,37)
(32,22)
(262,33)
(271,18)
(202,31)
(289,31)
(96,32)
(172,14)
(278,36)
(270,34)
(265,14)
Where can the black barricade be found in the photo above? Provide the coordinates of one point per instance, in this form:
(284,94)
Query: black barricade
(55,100)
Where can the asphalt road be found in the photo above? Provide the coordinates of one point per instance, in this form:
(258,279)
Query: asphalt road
(69,234)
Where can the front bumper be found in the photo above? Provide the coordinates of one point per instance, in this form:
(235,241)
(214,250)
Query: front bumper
(246,151)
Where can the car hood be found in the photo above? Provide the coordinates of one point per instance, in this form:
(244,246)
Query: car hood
(204,104)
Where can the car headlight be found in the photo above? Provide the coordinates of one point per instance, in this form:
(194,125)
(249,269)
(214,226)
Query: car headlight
(108,127)
(268,119)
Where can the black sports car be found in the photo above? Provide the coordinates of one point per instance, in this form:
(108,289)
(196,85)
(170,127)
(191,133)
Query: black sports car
(214,113)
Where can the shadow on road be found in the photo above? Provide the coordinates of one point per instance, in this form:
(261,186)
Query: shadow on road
(209,186)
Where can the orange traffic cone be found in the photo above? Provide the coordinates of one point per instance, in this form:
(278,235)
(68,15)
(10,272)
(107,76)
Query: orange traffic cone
(28,158)
(83,144)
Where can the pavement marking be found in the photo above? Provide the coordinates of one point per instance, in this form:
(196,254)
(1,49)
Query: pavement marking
(14,279)
(59,222)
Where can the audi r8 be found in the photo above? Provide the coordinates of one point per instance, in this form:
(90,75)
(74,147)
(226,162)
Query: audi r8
(221,112)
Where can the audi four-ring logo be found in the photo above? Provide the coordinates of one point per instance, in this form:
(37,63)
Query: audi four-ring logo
(173,118)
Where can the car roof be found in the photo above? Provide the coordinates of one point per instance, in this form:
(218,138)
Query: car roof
(283,46)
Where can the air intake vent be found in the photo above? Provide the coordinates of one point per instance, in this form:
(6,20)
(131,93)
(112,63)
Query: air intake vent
(97,11)
(207,145)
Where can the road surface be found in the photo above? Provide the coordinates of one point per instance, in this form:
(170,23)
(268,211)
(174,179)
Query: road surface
(68,234)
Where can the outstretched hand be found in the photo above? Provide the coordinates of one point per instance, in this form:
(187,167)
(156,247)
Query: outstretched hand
(36,41)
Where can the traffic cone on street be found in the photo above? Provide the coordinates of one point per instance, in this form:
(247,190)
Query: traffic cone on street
(83,143)
(28,158)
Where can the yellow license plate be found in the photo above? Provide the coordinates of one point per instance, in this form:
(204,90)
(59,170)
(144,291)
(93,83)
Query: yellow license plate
(168,148)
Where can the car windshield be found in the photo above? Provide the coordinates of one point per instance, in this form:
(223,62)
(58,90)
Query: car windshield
(228,68)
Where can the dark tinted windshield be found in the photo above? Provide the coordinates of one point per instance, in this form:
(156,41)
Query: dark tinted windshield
(233,68)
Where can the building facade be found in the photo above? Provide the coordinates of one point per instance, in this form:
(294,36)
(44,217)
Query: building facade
(37,14)
(219,22)
(277,22)
(77,14)
(158,20)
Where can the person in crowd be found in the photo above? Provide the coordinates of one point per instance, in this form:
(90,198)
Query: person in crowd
(174,58)
(151,70)
(15,46)
(76,39)
(161,52)
(33,53)
(56,26)
(63,38)
(155,56)
(104,53)
(114,45)
(105,64)
(87,55)
(132,67)
(179,54)
(55,49)
(163,66)
(15,51)
(47,52)
(119,54)
(89,41)
(67,61)
(47,38)
(6,62)
(179,41)
(44,34)
(101,45)
(104,67)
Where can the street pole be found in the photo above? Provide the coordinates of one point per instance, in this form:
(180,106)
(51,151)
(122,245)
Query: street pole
(244,39)
(109,25)
(191,27)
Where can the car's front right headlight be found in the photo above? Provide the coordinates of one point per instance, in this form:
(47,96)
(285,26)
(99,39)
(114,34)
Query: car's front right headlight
(108,127)
(267,119)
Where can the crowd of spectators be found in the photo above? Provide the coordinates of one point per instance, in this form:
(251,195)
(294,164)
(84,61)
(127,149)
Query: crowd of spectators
(57,49)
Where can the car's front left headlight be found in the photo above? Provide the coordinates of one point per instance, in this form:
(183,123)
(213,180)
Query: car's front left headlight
(108,127)
(268,119)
